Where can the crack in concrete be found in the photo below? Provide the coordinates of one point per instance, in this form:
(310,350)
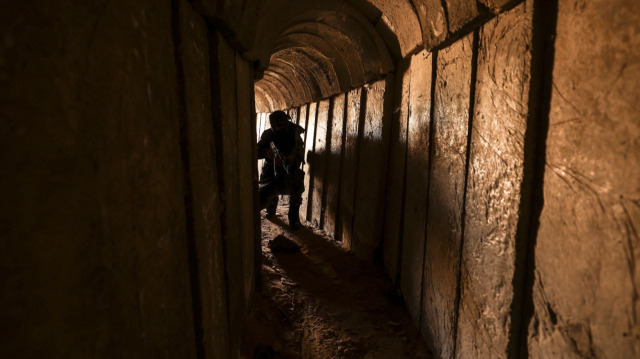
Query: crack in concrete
(632,235)
(575,108)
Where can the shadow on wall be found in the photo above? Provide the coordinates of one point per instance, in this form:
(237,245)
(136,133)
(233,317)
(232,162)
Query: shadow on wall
(346,153)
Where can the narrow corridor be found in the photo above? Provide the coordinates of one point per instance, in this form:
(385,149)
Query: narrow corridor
(484,153)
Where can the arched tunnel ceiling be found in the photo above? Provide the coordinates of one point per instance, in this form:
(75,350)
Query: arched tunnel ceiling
(311,49)
(358,41)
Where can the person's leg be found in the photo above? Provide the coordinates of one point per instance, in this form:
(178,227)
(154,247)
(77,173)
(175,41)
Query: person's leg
(272,206)
(267,174)
(294,215)
(267,193)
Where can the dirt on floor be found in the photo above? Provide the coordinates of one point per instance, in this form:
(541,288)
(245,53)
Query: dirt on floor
(321,301)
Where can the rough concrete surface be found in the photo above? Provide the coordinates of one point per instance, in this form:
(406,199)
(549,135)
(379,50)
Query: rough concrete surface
(304,38)
(349,165)
(331,21)
(341,47)
(433,21)
(302,120)
(346,44)
(307,198)
(293,113)
(276,83)
(497,6)
(494,184)
(394,205)
(417,178)
(460,12)
(94,252)
(334,165)
(586,291)
(226,115)
(207,204)
(372,170)
(264,101)
(228,15)
(319,161)
(403,21)
(446,195)
(246,155)
(280,95)
(305,69)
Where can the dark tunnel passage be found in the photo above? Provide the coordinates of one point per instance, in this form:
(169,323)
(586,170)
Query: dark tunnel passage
(484,155)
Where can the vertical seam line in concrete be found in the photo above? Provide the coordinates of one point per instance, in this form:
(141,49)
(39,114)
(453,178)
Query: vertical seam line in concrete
(361,122)
(255,212)
(430,154)
(388,166)
(544,19)
(387,130)
(338,225)
(327,153)
(392,125)
(404,180)
(217,134)
(188,189)
(472,105)
(306,122)
(234,197)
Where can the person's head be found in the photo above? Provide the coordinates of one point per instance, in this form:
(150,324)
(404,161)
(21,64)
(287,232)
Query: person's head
(279,121)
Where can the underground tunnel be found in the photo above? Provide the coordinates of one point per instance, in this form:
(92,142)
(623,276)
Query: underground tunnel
(477,159)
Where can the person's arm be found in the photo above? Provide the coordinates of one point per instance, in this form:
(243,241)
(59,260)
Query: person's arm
(264,148)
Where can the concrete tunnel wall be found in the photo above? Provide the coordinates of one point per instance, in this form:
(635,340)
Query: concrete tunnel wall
(507,211)
(506,208)
(127,155)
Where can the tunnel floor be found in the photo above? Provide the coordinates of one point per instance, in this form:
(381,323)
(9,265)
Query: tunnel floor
(324,302)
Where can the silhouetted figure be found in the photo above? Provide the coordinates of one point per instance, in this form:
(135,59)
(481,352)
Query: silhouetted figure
(282,148)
